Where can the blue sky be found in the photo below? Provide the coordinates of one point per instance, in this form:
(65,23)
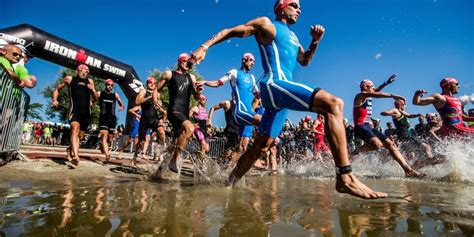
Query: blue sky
(420,40)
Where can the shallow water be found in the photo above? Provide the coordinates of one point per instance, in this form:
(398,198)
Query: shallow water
(265,206)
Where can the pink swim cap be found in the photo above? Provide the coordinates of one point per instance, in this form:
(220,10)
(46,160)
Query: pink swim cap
(109,81)
(248,56)
(365,82)
(183,57)
(83,67)
(281,4)
(150,80)
(447,82)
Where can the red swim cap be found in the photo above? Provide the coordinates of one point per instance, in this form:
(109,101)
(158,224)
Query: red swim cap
(398,103)
(446,82)
(83,67)
(183,57)
(281,4)
(365,82)
(150,80)
(109,81)
(248,56)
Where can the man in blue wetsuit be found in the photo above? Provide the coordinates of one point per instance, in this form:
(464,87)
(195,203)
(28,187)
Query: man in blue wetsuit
(280,50)
(244,90)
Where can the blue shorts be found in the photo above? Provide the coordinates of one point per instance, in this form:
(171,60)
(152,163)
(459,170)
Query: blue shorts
(134,131)
(277,97)
(246,131)
(243,117)
(365,132)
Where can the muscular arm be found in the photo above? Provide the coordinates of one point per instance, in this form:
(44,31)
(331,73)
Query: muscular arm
(436,99)
(196,90)
(391,112)
(387,82)
(119,100)
(261,27)
(65,81)
(305,57)
(94,93)
(214,108)
(135,111)
(165,77)
(364,95)
(141,97)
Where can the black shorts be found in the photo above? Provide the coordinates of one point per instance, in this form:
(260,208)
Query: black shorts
(176,119)
(365,132)
(145,125)
(232,140)
(107,123)
(84,119)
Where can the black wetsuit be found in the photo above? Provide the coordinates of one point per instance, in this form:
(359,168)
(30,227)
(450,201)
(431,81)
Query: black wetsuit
(107,118)
(180,87)
(403,125)
(149,118)
(80,102)
(231,130)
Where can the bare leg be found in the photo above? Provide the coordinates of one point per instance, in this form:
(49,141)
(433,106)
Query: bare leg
(182,140)
(261,145)
(332,109)
(236,154)
(397,156)
(74,140)
(104,142)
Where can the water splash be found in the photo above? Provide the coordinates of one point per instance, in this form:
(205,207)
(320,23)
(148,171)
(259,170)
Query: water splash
(458,166)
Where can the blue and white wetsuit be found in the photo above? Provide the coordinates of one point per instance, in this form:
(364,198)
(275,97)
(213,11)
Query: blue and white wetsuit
(278,90)
(244,87)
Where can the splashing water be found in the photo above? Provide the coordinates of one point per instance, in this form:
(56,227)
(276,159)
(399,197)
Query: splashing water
(458,166)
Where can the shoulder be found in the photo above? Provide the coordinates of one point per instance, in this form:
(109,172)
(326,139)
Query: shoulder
(167,74)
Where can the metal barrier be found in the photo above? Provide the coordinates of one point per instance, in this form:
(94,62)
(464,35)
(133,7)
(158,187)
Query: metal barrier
(13,106)
(216,146)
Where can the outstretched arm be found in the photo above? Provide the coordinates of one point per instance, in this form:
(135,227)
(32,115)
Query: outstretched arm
(387,82)
(262,27)
(390,112)
(436,99)
(305,57)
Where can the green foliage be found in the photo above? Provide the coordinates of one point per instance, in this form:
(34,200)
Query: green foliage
(64,99)
(34,111)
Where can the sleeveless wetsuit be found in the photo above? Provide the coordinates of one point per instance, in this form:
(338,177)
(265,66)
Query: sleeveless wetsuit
(107,118)
(149,118)
(453,125)
(180,87)
(231,130)
(278,90)
(363,127)
(403,125)
(80,102)
(201,119)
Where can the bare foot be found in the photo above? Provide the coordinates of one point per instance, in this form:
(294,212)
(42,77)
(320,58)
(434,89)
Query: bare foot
(75,161)
(414,174)
(173,165)
(348,183)
(68,154)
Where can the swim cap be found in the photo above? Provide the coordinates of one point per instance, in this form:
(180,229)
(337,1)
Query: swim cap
(150,80)
(183,57)
(281,4)
(398,103)
(248,56)
(446,82)
(365,82)
(82,67)
(109,81)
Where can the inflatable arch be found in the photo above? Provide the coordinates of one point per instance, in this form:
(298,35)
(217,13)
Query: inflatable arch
(48,47)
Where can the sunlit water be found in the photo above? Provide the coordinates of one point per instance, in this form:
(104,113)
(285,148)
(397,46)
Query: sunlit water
(300,201)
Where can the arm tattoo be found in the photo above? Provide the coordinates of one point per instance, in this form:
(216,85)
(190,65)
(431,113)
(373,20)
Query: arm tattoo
(214,37)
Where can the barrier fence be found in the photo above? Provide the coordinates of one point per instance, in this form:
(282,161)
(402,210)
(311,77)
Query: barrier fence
(13,106)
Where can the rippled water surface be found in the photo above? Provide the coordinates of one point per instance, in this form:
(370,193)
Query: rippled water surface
(265,206)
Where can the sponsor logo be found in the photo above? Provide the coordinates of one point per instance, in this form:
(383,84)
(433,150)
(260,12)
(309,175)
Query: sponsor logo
(12,39)
(81,56)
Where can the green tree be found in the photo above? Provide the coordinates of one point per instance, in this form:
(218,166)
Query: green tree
(64,98)
(33,111)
